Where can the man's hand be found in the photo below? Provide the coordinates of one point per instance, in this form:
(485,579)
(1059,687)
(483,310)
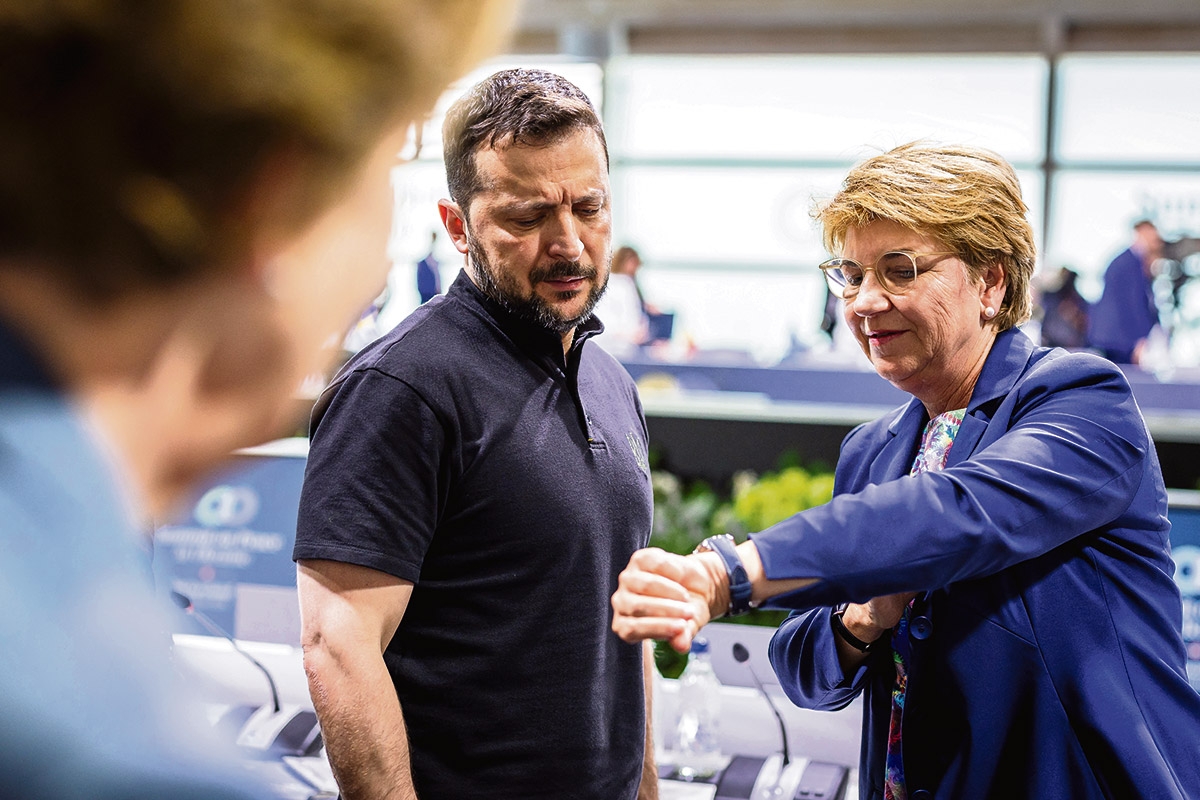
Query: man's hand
(661,595)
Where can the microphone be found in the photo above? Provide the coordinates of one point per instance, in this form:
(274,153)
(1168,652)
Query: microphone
(185,603)
(742,656)
(266,731)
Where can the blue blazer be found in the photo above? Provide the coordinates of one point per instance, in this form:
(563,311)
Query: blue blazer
(1047,660)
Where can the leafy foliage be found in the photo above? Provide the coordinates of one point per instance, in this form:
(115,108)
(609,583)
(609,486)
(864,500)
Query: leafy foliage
(760,503)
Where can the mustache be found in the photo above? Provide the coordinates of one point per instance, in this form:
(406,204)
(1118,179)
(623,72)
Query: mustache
(562,269)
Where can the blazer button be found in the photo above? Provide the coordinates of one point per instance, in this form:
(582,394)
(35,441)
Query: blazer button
(922,794)
(921,628)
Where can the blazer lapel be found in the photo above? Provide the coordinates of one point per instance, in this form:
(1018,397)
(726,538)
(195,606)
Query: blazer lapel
(1004,365)
(895,458)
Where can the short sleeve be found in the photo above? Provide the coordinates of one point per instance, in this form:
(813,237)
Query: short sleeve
(372,483)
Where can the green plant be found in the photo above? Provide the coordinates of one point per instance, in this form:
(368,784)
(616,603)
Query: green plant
(687,512)
(760,502)
(683,512)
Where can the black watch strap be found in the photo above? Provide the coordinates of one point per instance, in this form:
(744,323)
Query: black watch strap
(740,590)
(839,627)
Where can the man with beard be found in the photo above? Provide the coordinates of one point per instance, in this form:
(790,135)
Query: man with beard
(476,480)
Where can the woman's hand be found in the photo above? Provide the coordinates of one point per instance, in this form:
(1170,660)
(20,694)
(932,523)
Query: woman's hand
(878,615)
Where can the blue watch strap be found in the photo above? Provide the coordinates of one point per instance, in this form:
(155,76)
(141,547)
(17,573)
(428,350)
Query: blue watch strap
(740,590)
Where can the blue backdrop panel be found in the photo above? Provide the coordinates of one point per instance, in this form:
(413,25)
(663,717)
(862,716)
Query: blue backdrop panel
(235,533)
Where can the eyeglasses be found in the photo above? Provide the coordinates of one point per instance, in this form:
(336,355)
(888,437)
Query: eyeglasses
(896,272)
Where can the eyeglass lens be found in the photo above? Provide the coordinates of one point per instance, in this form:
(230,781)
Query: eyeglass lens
(895,272)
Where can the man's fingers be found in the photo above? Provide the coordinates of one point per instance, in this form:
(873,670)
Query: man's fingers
(638,604)
(659,562)
(638,629)
(650,603)
(638,581)
(682,641)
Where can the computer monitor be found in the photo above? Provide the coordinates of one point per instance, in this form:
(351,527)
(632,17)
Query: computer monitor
(723,637)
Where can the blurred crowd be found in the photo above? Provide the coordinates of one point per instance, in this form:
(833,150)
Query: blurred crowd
(1141,305)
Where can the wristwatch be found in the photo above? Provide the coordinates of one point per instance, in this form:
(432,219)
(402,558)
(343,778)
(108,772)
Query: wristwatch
(739,583)
(839,627)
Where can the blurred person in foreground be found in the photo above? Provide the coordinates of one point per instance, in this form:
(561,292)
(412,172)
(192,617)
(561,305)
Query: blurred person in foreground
(1120,322)
(194,202)
(477,479)
(993,574)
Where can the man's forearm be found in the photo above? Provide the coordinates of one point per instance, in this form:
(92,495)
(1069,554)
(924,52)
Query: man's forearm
(362,726)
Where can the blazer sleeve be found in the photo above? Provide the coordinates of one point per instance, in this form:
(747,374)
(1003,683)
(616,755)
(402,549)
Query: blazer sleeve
(803,654)
(1060,454)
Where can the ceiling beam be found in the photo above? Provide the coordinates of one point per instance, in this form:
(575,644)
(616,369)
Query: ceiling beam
(596,28)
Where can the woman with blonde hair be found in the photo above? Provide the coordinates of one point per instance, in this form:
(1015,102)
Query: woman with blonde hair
(993,575)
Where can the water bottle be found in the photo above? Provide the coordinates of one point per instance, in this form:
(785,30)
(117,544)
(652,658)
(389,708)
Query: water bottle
(697,744)
(661,740)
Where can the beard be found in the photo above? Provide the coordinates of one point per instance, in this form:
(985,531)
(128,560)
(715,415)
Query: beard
(530,306)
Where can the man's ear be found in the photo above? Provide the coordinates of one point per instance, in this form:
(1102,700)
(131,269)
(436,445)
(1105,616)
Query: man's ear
(455,222)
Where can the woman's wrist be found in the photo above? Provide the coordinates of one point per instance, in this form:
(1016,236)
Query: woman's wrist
(858,621)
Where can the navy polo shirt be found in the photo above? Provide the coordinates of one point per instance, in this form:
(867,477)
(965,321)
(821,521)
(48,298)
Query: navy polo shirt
(465,453)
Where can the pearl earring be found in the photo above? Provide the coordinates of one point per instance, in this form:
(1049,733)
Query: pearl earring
(989,312)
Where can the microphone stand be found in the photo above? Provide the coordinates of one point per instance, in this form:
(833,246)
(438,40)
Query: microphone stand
(742,656)
(278,733)
(185,603)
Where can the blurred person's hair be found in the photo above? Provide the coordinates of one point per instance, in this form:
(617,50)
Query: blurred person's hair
(514,107)
(968,198)
(622,257)
(133,132)
(1147,240)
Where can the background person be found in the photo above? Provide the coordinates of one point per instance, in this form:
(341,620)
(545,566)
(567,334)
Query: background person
(1064,311)
(429,279)
(622,309)
(1120,321)
(173,186)
(993,574)
(476,480)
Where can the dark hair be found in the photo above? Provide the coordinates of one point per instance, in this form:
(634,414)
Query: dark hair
(513,106)
(131,132)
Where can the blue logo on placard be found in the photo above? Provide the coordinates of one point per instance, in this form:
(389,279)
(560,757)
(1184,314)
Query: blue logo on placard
(227,507)
(1187,569)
